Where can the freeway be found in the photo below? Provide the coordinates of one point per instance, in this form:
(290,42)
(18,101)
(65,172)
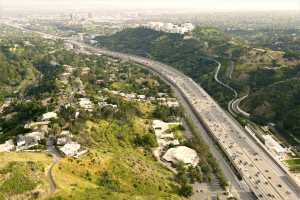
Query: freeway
(262,175)
(265,179)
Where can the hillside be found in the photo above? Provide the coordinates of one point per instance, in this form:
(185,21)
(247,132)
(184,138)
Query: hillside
(186,54)
(259,72)
(16,73)
(271,105)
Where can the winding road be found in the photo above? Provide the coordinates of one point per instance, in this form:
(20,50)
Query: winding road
(233,105)
(56,158)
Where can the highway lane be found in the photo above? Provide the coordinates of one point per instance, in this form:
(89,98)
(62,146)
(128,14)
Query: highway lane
(235,106)
(264,177)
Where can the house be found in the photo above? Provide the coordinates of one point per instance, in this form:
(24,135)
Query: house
(43,126)
(38,136)
(7,146)
(141,97)
(49,116)
(85,70)
(64,138)
(73,149)
(100,81)
(86,104)
(70,149)
(152,98)
(172,102)
(182,154)
(69,68)
(160,94)
(274,147)
(105,104)
(163,137)
(29,140)
(69,46)
(62,141)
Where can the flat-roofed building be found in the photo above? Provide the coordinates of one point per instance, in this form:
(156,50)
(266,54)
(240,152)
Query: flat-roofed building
(182,154)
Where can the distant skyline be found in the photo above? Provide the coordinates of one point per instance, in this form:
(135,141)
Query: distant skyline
(201,5)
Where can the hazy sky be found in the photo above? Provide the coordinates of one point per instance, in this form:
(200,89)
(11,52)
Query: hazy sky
(153,4)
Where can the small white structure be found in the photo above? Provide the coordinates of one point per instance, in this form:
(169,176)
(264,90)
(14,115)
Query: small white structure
(64,138)
(170,102)
(105,104)
(7,146)
(38,125)
(49,116)
(70,149)
(86,104)
(36,135)
(275,147)
(85,70)
(170,27)
(141,97)
(164,138)
(73,149)
(183,154)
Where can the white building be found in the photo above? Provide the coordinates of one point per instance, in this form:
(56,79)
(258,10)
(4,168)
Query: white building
(49,116)
(73,149)
(105,104)
(170,27)
(43,126)
(141,97)
(64,138)
(70,149)
(29,140)
(62,141)
(86,104)
(164,138)
(183,154)
(274,147)
(7,146)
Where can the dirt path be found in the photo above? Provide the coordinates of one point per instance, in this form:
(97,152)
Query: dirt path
(56,158)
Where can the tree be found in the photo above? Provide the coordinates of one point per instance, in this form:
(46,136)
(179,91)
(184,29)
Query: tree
(186,190)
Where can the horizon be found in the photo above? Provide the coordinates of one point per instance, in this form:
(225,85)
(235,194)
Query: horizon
(135,5)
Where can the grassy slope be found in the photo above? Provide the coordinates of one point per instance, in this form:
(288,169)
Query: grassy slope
(134,173)
(21,173)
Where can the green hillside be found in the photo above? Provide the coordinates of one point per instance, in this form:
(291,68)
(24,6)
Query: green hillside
(186,54)
(278,103)
(16,73)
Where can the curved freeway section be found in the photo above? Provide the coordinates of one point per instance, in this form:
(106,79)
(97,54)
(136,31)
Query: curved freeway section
(233,105)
